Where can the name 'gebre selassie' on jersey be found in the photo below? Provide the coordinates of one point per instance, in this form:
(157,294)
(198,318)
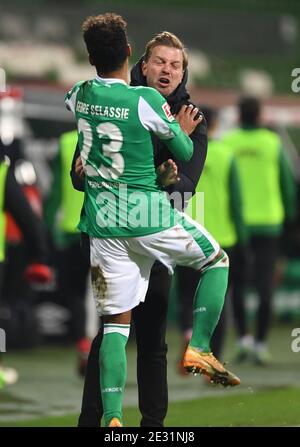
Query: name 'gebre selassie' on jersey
(99,110)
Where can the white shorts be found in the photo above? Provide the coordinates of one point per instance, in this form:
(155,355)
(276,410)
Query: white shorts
(121,266)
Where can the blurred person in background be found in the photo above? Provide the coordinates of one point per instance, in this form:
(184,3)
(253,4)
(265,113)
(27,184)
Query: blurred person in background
(62,215)
(223,219)
(19,295)
(268,194)
(13,200)
(163,67)
(24,250)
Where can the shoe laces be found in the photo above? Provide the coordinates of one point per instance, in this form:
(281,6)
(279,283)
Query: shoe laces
(213,361)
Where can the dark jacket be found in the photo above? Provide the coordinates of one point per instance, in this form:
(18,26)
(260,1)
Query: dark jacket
(189,172)
(30,224)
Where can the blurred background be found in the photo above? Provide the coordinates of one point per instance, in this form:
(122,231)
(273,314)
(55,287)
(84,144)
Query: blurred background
(235,48)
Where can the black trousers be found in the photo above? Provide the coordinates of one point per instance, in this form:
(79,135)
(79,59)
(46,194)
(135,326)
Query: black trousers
(263,253)
(73,269)
(150,320)
(15,287)
(187,281)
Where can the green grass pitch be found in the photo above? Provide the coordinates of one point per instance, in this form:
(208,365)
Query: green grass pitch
(48,393)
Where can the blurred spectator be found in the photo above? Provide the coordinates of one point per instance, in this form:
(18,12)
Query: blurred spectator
(62,215)
(12,199)
(268,196)
(222,218)
(18,296)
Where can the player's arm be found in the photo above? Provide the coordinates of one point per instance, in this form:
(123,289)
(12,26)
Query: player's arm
(181,146)
(76,172)
(190,171)
(70,101)
(71,97)
(155,116)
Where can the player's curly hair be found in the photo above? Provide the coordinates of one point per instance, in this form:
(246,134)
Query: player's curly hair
(169,40)
(106,41)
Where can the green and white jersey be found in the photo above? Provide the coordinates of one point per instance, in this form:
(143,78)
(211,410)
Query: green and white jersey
(115,122)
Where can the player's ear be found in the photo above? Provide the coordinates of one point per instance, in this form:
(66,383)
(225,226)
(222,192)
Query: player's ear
(129,51)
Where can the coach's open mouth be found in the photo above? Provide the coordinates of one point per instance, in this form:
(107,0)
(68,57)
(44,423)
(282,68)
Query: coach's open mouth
(164,82)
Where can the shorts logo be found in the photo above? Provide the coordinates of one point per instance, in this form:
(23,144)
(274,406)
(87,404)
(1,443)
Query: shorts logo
(166,109)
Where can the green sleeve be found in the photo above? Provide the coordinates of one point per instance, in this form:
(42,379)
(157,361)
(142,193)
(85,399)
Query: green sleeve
(181,146)
(288,188)
(236,204)
(70,98)
(155,115)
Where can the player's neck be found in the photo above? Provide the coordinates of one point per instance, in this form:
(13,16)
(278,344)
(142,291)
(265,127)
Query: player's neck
(122,73)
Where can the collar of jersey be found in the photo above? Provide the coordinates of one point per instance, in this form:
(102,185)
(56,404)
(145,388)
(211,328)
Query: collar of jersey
(110,80)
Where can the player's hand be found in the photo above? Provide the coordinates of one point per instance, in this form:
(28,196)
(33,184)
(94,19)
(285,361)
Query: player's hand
(186,118)
(167,173)
(79,167)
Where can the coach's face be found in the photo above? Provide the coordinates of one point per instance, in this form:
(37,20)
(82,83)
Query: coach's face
(164,69)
